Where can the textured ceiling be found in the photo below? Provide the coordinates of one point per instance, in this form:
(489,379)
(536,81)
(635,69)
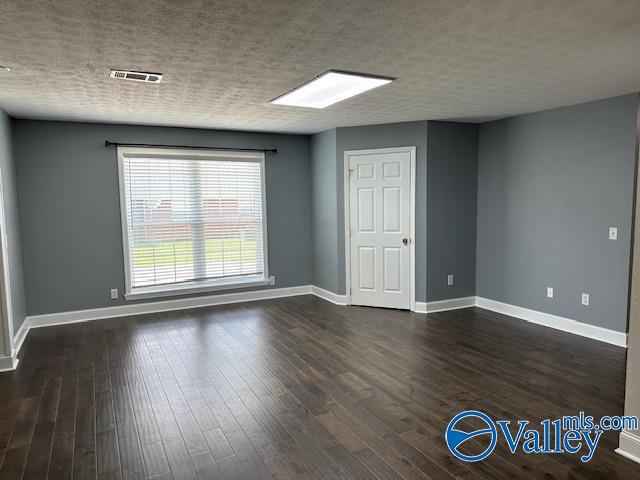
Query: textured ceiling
(469,60)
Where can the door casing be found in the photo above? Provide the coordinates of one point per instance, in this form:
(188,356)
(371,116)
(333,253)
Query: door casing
(412,214)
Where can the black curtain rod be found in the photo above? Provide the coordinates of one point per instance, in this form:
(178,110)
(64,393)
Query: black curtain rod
(107,143)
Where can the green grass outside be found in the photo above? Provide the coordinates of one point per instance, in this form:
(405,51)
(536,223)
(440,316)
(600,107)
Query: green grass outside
(181,252)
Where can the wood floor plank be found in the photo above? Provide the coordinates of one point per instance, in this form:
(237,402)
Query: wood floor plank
(14,462)
(376,465)
(347,437)
(155,459)
(232,469)
(84,454)
(37,464)
(108,456)
(40,448)
(131,458)
(218,443)
(25,423)
(147,427)
(206,467)
(251,462)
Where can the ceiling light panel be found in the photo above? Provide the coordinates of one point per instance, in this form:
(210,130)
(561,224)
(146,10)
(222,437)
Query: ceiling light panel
(329,88)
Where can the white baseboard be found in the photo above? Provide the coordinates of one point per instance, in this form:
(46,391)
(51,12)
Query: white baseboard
(629,446)
(8,363)
(61,318)
(450,304)
(329,296)
(421,307)
(20,336)
(554,321)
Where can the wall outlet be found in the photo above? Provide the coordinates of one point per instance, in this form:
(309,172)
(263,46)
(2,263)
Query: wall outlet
(114,294)
(585,299)
(549,292)
(613,233)
(449,280)
(272,280)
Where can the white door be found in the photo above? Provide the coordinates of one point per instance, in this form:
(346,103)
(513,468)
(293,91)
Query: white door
(380,214)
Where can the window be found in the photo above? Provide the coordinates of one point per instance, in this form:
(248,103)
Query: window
(191,220)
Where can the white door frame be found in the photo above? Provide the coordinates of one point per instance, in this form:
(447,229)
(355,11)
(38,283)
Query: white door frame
(347,220)
(8,360)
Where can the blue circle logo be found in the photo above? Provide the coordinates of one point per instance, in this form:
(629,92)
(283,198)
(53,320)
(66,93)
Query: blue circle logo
(456,438)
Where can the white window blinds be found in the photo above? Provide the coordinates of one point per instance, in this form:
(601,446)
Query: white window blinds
(192,217)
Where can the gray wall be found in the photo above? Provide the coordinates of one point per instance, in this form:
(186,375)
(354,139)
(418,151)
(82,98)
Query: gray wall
(384,136)
(550,184)
(14,244)
(445,202)
(70,213)
(324,208)
(452,181)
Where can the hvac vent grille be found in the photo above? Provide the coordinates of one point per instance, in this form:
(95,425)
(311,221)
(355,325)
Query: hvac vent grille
(134,76)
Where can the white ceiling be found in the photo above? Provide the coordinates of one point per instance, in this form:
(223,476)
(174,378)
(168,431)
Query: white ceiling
(468,60)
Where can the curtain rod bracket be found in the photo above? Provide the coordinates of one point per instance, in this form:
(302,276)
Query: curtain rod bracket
(108,143)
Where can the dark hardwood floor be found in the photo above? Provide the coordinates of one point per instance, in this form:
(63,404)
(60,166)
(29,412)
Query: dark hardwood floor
(297,388)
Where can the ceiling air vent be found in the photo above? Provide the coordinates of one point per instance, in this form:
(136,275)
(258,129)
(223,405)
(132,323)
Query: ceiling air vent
(136,76)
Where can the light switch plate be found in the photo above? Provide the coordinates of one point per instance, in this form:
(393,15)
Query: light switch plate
(613,233)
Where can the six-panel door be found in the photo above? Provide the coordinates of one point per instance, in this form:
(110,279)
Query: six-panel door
(380,224)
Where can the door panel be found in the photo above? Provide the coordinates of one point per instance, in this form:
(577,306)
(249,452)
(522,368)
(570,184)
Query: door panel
(392,170)
(380,218)
(367,268)
(392,269)
(392,209)
(366,210)
(366,171)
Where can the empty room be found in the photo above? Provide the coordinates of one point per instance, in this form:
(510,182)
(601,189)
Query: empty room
(319,239)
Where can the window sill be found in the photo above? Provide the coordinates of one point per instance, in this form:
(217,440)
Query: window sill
(193,287)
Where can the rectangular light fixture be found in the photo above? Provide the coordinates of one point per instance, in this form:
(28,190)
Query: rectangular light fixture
(329,88)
